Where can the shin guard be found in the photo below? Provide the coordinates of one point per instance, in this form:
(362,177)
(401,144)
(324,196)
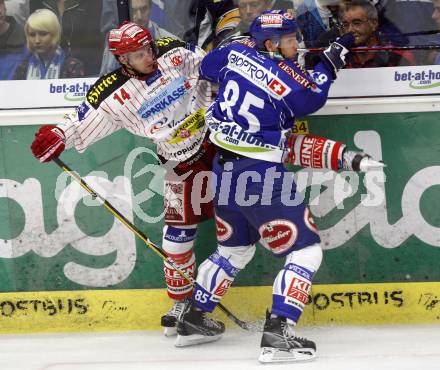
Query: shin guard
(178,243)
(217,273)
(293,283)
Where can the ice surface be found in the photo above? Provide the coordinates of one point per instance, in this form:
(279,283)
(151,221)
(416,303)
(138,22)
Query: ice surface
(339,348)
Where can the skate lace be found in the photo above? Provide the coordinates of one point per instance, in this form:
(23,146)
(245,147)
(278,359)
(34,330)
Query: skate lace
(177,309)
(289,333)
(210,323)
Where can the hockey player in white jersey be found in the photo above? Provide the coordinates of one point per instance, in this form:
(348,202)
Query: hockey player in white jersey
(155,94)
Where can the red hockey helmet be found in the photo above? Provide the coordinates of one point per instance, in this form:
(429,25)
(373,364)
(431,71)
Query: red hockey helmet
(129,37)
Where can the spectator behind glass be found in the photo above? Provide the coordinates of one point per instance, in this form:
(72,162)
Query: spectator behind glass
(140,11)
(414,16)
(210,21)
(314,17)
(196,21)
(361,18)
(250,9)
(386,29)
(12,41)
(45,58)
(436,18)
(201,22)
(158,12)
(80,37)
(19,9)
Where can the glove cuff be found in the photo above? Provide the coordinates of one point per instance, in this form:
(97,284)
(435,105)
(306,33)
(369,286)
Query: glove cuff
(60,133)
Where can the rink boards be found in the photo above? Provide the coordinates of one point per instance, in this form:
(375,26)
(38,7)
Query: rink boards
(125,310)
(66,265)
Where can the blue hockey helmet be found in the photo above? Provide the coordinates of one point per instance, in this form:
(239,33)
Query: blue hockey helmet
(271,25)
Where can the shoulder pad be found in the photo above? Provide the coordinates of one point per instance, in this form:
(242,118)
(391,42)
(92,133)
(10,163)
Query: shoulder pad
(244,40)
(104,87)
(166,44)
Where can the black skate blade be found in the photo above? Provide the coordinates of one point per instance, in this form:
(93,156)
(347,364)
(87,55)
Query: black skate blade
(276,355)
(194,339)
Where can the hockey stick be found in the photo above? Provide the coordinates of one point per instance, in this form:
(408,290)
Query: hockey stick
(365,49)
(242,324)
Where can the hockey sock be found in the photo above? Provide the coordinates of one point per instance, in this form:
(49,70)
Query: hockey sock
(217,273)
(293,283)
(178,243)
(291,291)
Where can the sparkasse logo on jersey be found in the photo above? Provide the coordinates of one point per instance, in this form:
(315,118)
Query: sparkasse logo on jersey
(165,98)
(257,74)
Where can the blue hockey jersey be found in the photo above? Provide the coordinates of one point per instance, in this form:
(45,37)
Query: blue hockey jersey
(259,98)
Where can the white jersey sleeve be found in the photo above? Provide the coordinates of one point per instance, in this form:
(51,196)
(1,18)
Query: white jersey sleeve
(87,125)
(167,107)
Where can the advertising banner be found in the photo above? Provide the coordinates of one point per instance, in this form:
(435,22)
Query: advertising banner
(365,82)
(382,227)
(43,93)
(390,81)
(140,309)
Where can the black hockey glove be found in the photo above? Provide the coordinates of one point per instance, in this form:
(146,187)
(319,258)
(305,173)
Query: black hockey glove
(334,56)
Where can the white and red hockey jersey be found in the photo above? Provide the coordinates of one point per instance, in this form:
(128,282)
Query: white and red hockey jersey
(167,108)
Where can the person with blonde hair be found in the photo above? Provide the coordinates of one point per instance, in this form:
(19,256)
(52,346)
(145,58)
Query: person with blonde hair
(11,43)
(45,58)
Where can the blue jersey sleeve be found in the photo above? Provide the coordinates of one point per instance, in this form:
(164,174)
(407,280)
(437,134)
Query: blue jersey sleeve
(212,63)
(311,97)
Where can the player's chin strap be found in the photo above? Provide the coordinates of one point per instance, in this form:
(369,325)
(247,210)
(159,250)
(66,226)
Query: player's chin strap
(144,238)
(129,71)
(275,55)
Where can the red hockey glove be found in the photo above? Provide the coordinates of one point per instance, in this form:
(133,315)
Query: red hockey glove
(49,143)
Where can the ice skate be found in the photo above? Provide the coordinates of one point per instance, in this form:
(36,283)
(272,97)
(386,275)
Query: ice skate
(194,327)
(169,320)
(279,343)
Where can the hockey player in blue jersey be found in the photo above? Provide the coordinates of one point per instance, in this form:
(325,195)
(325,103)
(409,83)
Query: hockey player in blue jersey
(261,92)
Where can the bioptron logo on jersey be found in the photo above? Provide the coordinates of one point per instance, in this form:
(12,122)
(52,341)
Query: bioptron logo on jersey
(424,79)
(256,73)
(72,92)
